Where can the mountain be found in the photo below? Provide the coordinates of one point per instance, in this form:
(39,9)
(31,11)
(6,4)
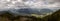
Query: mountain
(24,11)
(29,11)
(45,10)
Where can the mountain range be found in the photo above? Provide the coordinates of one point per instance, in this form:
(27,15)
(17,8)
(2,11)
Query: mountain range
(30,11)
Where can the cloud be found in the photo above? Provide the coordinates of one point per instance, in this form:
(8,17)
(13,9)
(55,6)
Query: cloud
(9,4)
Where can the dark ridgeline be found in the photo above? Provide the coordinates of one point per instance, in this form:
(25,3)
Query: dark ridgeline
(5,16)
(53,17)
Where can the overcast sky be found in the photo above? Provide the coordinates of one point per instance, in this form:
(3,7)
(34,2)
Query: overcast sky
(8,4)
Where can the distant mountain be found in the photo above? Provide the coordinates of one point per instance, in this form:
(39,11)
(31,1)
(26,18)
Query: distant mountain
(24,11)
(45,10)
(27,11)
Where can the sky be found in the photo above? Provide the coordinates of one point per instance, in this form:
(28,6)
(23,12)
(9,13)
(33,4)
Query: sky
(34,4)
